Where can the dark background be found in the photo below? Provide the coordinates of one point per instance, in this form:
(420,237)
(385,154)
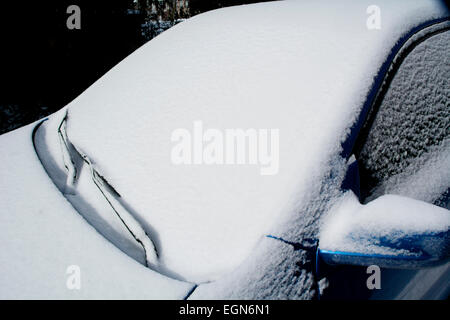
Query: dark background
(44,65)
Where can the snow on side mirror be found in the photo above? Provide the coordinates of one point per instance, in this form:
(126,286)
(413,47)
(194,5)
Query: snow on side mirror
(391,231)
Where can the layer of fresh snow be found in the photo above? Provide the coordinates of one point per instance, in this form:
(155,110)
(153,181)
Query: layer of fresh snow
(265,66)
(42,235)
(273,271)
(353,227)
(420,167)
(408,149)
(298,66)
(82,193)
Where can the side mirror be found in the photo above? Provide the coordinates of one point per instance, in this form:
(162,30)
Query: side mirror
(391,231)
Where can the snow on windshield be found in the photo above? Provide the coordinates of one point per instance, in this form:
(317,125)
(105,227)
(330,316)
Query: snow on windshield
(298,69)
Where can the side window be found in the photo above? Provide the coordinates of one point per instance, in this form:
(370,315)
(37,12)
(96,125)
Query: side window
(407,149)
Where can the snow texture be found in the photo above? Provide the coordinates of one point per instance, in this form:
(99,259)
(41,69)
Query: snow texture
(259,66)
(408,147)
(352,227)
(42,235)
(299,66)
(282,276)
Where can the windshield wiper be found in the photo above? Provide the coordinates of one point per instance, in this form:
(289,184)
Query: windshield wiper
(108,192)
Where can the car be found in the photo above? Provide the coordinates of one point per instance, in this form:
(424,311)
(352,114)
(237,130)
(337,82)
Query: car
(280,150)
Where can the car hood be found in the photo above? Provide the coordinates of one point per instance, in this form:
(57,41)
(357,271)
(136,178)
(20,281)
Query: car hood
(303,68)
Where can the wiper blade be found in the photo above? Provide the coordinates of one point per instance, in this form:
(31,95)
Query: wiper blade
(108,192)
(68,161)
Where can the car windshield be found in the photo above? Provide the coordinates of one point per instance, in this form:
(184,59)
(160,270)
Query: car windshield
(211,149)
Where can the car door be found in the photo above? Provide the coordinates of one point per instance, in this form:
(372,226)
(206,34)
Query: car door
(404,149)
